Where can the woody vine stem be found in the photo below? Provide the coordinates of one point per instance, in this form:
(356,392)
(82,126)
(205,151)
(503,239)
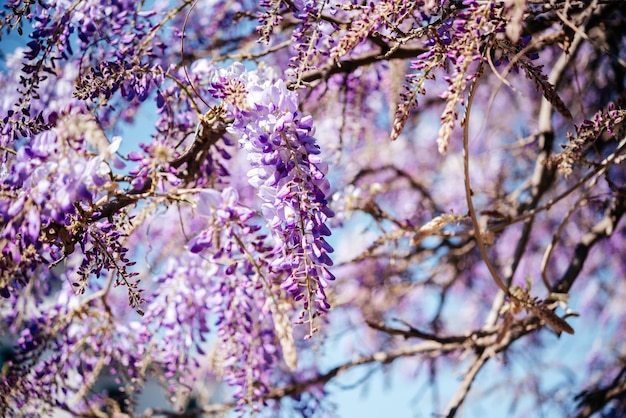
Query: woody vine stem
(468,188)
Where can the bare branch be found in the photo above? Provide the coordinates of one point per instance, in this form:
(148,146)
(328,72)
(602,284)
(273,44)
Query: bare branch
(206,136)
(592,401)
(603,229)
(466,384)
(348,66)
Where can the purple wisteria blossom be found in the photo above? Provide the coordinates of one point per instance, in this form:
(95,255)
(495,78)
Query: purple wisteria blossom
(62,352)
(289,176)
(223,277)
(51,182)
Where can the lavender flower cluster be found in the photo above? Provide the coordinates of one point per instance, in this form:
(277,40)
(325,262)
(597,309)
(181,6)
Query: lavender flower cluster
(311,39)
(62,351)
(43,188)
(224,282)
(289,176)
(241,275)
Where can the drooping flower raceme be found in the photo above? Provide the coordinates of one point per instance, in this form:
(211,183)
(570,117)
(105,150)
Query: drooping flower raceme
(45,182)
(289,177)
(225,282)
(62,351)
(249,273)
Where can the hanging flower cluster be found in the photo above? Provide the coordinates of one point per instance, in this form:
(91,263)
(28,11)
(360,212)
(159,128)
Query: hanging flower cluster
(243,275)
(62,351)
(228,284)
(48,181)
(289,176)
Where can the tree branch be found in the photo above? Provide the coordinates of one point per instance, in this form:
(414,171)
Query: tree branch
(594,400)
(349,65)
(468,378)
(207,134)
(601,230)
(541,178)
(414,333)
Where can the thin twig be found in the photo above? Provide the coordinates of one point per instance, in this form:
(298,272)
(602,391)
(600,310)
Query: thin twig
(540,179)
(468,189)
(468,378)
(415,333)
(601,230)
(182,53)
(556,237)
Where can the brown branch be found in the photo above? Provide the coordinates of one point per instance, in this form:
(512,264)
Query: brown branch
(542,178)
(603,229)
(207,134)
(349,65)
(591,401)
(466,384)
(415,333)
(468,189)
(484,341)
(483,354)
(400,173)
(428,348)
